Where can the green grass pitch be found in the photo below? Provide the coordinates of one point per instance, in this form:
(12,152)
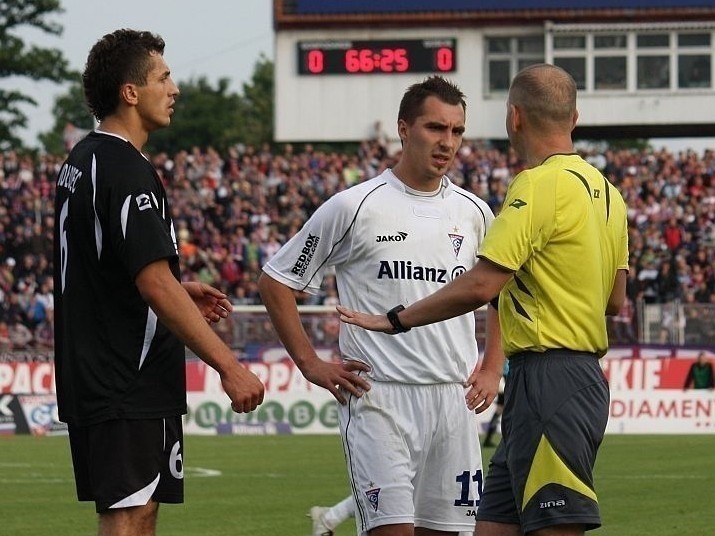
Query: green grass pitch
(260,486)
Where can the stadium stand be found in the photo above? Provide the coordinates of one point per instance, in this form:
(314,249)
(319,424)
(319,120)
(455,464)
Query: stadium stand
(233,211)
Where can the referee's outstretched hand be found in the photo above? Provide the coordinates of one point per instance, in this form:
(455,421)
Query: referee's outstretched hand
(338,378)
(364,320)
(243,388)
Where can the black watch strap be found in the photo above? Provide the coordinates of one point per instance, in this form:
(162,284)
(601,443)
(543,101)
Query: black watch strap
(395,320)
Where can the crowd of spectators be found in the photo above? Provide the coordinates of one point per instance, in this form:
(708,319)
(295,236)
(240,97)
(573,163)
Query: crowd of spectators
(233,211)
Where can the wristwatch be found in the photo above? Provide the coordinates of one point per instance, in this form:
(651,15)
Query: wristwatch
(395,320)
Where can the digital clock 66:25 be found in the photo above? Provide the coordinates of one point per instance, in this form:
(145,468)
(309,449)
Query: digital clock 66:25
(377,57)
(385,60)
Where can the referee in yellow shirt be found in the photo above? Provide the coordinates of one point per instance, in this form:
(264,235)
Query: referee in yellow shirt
(555,258)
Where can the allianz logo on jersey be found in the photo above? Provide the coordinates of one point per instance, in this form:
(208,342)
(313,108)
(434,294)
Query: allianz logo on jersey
(399,237)
(407,270)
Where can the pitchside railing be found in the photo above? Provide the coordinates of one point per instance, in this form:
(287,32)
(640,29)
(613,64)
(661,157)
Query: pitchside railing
(249,328)
(672,324)
(676,323)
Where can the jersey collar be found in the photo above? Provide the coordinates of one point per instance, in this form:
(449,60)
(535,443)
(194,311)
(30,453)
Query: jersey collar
(557,154)
(396,183)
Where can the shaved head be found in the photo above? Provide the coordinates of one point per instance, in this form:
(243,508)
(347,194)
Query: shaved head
(546,94)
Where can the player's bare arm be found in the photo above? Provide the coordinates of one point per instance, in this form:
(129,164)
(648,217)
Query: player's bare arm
(618,293)
(484,380)
(338,378)
(178,312)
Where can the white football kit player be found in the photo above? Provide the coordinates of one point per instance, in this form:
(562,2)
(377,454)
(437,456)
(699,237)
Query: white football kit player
(411,444)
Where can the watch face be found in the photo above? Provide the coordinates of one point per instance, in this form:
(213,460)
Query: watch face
(377,57)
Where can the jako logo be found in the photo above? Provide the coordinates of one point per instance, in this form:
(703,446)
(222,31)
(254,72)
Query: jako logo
(306,255)
(552,504)
(399,237)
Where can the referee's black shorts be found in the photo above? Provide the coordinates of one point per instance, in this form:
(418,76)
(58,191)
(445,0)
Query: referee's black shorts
(554,419)
(124,463)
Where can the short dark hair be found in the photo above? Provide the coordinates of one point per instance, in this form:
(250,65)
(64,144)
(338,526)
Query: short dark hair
(117,58)
(434,86)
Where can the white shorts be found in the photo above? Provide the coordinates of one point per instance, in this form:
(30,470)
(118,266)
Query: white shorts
(413,456)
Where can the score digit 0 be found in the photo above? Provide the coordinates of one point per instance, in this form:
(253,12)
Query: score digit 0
(444,59)
(316,61)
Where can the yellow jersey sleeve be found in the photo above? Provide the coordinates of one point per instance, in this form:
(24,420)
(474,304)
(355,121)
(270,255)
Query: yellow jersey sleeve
(521,228)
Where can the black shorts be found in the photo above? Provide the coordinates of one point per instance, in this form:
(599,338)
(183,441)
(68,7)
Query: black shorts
(124,463)
(555,415)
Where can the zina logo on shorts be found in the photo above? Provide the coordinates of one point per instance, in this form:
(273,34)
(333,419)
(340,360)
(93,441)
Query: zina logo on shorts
(552,503)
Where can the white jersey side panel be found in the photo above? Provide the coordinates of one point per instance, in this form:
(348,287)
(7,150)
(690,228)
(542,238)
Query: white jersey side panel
(390,247)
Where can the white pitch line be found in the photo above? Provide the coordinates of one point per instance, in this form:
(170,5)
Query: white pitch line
(202,471)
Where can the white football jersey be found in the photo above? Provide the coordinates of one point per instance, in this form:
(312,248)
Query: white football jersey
(388,247)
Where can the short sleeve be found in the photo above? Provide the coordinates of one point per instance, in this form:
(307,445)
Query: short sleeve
(139,219)
(511,239)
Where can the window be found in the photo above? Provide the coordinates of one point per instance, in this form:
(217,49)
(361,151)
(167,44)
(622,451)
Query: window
(499,45)
(531,45)
(621,57)
(570,55)
(610,61)
(694,71)
(694,60)
(653,72)
(693,40)
(576,67)
(506,55)
(499,75)
(653,61)
(616,41)
(569,42)
(525,63)
(610,72)
(653,40)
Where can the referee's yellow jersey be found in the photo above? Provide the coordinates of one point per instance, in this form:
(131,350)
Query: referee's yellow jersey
(563,231)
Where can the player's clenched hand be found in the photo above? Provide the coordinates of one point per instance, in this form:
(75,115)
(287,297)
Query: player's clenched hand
(338,378)
(363,320)
(213,304)
(243,388)
(483,388)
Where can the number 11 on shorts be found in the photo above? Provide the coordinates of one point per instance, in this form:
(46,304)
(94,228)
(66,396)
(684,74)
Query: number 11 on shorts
(465,480)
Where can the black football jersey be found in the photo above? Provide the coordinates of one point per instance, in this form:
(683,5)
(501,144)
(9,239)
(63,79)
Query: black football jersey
(113,358)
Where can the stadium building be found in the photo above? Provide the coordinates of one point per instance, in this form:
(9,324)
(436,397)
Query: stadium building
(644,67)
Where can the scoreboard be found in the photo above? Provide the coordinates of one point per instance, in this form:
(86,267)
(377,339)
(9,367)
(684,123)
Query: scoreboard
(438,55)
